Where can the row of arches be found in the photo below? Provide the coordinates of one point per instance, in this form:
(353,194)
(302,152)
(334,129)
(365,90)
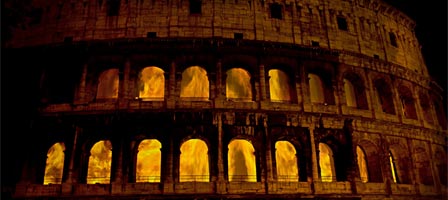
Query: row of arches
(239,86)
(194,163)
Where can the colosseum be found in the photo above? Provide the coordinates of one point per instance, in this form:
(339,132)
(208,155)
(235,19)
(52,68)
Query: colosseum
(231,99)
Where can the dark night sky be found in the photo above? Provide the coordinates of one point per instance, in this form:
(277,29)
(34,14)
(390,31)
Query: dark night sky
(431,31)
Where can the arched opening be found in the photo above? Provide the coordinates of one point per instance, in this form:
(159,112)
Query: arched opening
(194,83)
(426,108)
(362,164)
(385,97)
(100,163)
(393,168)
(238,84)
(423,165)
(149,161)
(316,89)
(152,83)
(279,85)
(350,94)
(194,163)
(241,161)
(372,159)
(55,164)
(407,103)
(440,114)
(286,162)
(355,94)
(441,165)
(108,84)
(326,163)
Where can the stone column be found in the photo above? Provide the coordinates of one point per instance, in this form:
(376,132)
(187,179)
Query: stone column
(220,185)
(413,172)
(118,181)
(127,69)
(269,168)
(262,83)
(168,168)
(82,86)
(172,86)
(314,152)
(71,176)
(220,89)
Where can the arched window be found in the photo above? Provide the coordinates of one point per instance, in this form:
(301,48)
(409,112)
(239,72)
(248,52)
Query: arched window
(100,163)
(108,84)
(362,164)
(426,107)
(407,103)
(55,164)
(152,83)
(194,163)
(149,161)
(326,163)
(350,94)
(279,85)
(241,161)
(238,84)
(441,164)
(286,159)
(385,96)
(316,89)
(393,168)
(194,83)
(423,166)
(440,112)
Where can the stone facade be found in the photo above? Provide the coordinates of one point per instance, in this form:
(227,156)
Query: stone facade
(398,106)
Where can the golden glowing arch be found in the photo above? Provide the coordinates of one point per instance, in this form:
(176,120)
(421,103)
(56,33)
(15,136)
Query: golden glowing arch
(241,161)
(152,83)
(149,160)
(326,163)
(194,163)
(55,164)
(316,89)
(194,83)
(286,159)
(108,84)
(350,94)
(279,85)
(238,84)
(100,163)
(362,164)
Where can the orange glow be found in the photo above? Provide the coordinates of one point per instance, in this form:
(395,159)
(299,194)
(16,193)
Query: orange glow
(326,163)
(152,83)
(362,164)
(149,159)
(316,89)
(194,83)
(350,95)
(241,161)
(108,84)
(392,166)
(238,84)
(279,85)
(285,156)
(55,164)
(100,163)
(194,161)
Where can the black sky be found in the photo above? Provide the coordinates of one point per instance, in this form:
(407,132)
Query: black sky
(431,30)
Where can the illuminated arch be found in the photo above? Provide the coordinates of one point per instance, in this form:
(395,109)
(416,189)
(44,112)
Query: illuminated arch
(326,163)
(279,85)
(350,94)
(55,164)
(238,84)
(393,168)
(362,164)
(384,95)
(286,162)
(407,102)
(152,83)
(316,89)
(194,163)
(149,161)
(426,107)
(241,161)
(194,83)
(108,84)
(100,163)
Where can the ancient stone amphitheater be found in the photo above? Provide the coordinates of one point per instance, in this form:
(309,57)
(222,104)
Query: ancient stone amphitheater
(211,99)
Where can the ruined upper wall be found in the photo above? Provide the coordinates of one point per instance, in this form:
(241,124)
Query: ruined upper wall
(369,24)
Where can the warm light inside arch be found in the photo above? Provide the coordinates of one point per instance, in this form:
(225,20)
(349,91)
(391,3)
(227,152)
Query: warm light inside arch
(100,163)
(286,160)
(55,164)
(194,83)
(241,161)
(362,164)
(316,89)
(149,160)
(279,85)
(238,84)
(350,95)
(194,163)
(152,83)
(326,163)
